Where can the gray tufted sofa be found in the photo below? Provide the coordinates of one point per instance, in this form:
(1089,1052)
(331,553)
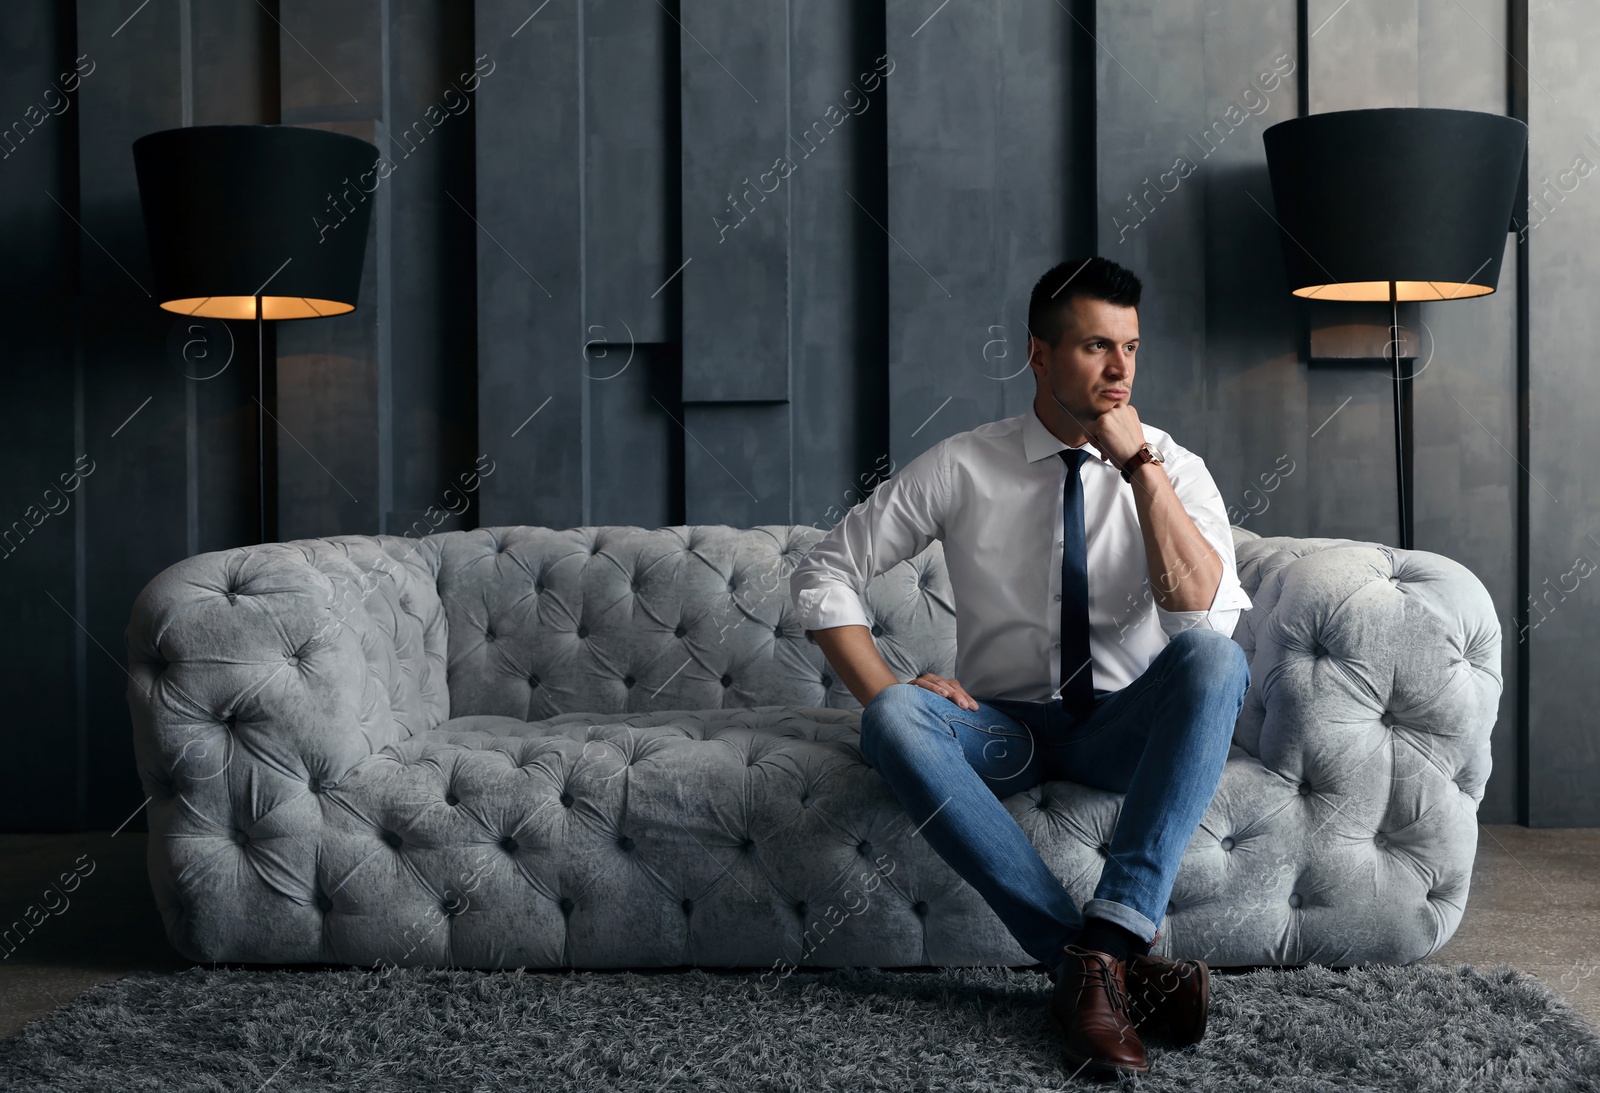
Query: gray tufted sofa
(614,747)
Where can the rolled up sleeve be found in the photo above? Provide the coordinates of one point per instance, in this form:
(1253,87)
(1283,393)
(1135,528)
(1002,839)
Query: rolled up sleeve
(1198,493)
(901,517)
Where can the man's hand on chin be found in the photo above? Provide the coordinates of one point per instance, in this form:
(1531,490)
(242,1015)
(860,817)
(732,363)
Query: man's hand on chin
(1117,433)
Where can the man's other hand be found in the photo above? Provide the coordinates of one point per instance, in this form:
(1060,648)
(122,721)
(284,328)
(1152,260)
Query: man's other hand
(949,688)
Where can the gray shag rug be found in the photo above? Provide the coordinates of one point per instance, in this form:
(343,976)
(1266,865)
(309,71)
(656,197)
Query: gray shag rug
(1418,1028)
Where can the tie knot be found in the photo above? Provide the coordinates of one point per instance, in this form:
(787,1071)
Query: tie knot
(1073,457)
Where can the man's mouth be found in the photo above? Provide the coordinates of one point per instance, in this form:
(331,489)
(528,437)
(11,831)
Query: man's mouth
(1116,392)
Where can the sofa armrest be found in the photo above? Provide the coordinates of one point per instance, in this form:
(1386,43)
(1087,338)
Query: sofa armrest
(257,678)
(1368,664)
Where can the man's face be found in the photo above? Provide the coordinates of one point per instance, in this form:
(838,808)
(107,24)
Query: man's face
(1090,370)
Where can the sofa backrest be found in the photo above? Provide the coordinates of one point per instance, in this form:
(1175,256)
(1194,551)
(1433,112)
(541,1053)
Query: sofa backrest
(608,619)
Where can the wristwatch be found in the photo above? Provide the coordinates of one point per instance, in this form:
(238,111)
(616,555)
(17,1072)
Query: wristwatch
(1147,453)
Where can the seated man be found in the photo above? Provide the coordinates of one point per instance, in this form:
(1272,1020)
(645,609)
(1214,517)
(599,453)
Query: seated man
(1096,593)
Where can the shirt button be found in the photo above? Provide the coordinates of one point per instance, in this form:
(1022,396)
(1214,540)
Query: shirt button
(1057,645)
(1061,542)
(1058,595)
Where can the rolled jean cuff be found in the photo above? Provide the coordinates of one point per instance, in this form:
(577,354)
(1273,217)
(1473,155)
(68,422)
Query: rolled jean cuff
(1123,916)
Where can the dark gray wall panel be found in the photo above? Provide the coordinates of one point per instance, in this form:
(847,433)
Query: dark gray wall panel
(1465,399)
(1361,54)
(1563,441)
(1253,431)
(432,302)
(630,192)
(736,459)
(736,221)
(42,787)
(331,468)
(981,138)
(636,449)
(531,399)
(1152,96)
(839,261)
(135,511)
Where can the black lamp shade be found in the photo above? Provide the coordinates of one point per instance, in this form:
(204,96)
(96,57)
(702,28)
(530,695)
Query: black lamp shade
(231,211)
(1419,196)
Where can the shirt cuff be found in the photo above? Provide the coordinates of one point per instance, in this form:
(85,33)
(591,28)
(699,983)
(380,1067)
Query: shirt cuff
(1227,605)
(828,606)
(1221,619)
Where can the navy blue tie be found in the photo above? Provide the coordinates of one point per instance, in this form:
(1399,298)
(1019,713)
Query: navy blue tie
(1077,695)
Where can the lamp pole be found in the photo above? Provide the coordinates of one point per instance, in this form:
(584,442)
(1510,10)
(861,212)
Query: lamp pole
(261,428)
(1402,420)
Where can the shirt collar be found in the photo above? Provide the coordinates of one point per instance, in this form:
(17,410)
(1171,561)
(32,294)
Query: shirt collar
(1039,442)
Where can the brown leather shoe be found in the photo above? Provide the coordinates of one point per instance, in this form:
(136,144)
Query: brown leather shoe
(1089,1010)
(1168,999)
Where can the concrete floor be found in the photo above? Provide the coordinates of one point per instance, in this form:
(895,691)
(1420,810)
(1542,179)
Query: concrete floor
(1534,903)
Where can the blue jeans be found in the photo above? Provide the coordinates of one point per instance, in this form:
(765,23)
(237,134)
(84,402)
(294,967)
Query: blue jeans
(1161,741)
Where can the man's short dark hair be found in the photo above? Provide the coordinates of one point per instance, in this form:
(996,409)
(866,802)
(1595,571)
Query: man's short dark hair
(1096,278)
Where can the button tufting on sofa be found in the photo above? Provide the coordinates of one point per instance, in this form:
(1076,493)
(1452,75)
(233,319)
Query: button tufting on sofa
(800,908)
(324,902)
(628,681)
(727,681)
(1227,842)
(687,905)
(565,904)
(451,799)
(679,631)
(920,907)
(566,800)
(583,630)
(1294,899)
(508,844)
(625,844)
(1304,789)
(393,839)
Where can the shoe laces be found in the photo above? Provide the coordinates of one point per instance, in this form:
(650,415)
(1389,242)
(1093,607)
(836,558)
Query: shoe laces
(1097,971)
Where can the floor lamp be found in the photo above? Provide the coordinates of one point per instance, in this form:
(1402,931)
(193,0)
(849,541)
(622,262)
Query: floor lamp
(256,221)
(1399,203)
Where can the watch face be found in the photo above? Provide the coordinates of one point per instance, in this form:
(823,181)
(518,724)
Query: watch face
(1155,455)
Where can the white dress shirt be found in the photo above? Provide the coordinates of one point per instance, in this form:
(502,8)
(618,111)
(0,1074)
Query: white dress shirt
(992,496)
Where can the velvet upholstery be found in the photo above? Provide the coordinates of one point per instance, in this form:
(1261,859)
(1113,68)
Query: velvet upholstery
(614,747)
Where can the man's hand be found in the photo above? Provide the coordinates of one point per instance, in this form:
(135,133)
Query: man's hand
(949,688)
(1117,433)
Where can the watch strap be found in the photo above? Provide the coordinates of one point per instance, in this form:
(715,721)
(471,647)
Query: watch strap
(1138,459)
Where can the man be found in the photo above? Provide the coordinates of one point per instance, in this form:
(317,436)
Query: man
(1096,593)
